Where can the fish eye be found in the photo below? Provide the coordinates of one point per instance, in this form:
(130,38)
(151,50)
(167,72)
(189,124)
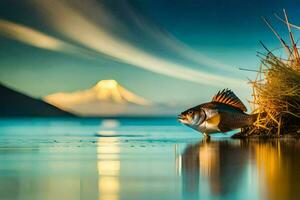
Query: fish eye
(190,112)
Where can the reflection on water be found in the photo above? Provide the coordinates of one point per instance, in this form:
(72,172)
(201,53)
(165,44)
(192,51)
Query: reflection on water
(108,166)
(108,162)
(278,166)
(214,163)
(109,123)
(190,172)
(269,169)
(58,160)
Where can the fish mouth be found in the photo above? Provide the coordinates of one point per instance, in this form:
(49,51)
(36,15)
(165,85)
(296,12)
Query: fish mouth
(181,119)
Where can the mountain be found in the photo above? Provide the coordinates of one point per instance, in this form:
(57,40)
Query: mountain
(16,104)
(106,98)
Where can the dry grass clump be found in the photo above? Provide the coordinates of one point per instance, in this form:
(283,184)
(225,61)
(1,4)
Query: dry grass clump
(276,91)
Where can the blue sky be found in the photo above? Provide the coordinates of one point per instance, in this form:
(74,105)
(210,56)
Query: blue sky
(166,51)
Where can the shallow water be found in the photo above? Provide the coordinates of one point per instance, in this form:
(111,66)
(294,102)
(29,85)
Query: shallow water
(139,159)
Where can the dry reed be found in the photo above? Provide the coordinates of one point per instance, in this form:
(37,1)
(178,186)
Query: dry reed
(276,90)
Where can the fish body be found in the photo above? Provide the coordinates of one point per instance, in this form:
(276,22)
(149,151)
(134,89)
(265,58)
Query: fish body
(224,113)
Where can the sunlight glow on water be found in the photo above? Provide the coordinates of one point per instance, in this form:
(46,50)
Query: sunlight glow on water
(108,166)
(140,159)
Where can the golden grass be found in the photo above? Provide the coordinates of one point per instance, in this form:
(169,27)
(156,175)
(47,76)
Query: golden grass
(276,90)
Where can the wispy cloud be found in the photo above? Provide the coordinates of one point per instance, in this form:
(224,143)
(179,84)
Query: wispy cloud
(32,37)
(163,37)
(69,21)
(150,31)
(73,24)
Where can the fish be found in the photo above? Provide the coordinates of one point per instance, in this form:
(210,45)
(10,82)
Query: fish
(226,112)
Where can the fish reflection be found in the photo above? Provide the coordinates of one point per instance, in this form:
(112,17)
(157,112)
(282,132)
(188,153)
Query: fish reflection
(190,172)
(255,169)
(212,162)
(108,166)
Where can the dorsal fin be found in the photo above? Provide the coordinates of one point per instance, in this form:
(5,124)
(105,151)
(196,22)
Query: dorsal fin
(226,96)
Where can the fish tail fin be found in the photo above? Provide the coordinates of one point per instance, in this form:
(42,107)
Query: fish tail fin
(255,116)
(251,119)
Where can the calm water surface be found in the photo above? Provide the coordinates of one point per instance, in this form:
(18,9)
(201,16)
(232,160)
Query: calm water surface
(140,159)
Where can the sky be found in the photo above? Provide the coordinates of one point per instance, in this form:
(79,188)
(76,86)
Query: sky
(166,51)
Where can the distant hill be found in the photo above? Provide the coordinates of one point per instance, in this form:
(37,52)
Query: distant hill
(16,104)
(107,98)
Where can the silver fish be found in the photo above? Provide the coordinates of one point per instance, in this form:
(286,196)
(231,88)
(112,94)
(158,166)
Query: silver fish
(224,113)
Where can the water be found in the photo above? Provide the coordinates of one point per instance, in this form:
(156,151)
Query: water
(139,159)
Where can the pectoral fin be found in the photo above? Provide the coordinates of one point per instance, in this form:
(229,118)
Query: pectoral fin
(215,120)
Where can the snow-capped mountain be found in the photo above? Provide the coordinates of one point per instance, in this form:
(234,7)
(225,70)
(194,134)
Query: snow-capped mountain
(106,98)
